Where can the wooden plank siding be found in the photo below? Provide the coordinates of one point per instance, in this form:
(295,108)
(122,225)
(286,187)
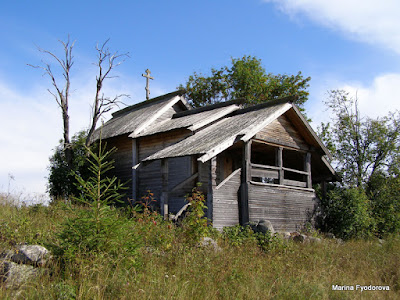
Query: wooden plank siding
(225,201)
(180,168)
(122,160)
(288,209)
(282,132)
(149,174)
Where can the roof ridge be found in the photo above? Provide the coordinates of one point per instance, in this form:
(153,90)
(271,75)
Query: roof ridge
(207,108)
(146,102)
(287,99)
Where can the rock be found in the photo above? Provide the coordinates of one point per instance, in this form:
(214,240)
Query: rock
(18,266)
(30,254)
(285,235)
(339,241)
(209,242)
(14,275)
(265,226)
(7,254)
(314,239)
(253,225)
(329,235)
(301,238)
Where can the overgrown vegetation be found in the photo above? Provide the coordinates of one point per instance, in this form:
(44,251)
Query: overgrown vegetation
(165,265)
(62,183)
(98,228)
(366,155)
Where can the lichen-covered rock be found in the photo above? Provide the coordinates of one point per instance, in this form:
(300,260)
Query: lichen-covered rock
(301,238)
(13,275)
(209,242)
(314,239)
(265,226)
(30,254)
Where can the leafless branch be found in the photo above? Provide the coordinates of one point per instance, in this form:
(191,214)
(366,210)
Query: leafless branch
(106,62)
(61,95)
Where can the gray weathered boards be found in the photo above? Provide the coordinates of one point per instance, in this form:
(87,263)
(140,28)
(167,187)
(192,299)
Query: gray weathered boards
(254,163)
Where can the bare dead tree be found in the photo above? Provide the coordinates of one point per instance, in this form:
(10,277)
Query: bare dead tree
(106,62)
(61,94)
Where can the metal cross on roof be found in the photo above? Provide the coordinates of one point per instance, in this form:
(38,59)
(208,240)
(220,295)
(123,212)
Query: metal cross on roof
(147,75)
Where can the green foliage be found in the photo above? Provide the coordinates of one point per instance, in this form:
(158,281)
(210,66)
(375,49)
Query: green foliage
(269,241)
(385,192)
(241,235)
(347,213)
(361,146)
(238,235)
(158,234)
(62,180)
(64,291)
(195,224)
(99,228)
(366,155)
(246,79)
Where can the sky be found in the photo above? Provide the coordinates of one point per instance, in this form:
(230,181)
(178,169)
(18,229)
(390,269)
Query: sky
(352,45)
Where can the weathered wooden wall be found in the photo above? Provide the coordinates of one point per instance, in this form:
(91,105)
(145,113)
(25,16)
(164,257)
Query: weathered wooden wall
(288,209)
(282,132)
(225,201)
(123,160)
(179,169)
(149,175)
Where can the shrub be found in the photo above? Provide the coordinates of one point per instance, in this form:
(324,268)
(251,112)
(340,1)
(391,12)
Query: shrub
(386,204)
(195,224)
(238,235)
(346,212)
(98,227)
(62,182)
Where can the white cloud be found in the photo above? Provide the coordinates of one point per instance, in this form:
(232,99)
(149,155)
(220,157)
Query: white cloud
(31,127)
(371,21)
(378,99)
(374,100)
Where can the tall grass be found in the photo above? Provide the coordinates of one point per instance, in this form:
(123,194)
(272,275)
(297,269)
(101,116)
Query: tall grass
(167,266)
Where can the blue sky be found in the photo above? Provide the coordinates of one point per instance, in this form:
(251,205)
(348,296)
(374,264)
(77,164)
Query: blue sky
(353,44)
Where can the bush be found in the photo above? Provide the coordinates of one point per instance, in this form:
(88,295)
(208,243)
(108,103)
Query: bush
(346,212)
(385,193)
(62,181)
(98,227)
(238,235)
(195,224)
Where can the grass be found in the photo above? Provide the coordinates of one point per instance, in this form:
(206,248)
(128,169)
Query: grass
(166,266)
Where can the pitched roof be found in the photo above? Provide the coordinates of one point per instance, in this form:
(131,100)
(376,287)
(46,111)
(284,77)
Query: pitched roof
(192,120)
(138,117)
(240,125)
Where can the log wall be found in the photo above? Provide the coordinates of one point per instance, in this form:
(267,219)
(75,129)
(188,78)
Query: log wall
(225,201)
(288,209)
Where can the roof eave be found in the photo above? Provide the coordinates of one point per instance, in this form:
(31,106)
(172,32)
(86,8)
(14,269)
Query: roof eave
(312,132)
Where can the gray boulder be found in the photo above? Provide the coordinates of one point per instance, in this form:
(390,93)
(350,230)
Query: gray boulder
(30,254)
(314,239)
(13,275)
(210,243)
(265,226)
(301,238)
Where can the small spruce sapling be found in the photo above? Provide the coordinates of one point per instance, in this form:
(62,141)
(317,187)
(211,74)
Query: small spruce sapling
(99,227)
